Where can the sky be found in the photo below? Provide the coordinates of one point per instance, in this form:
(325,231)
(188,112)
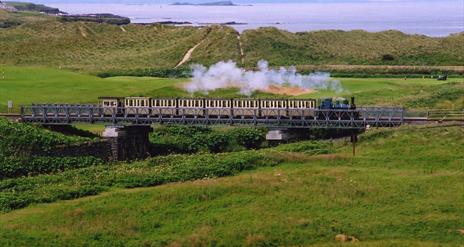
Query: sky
(203,1)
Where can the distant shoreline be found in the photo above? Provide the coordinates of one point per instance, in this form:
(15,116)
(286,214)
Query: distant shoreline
(302,17)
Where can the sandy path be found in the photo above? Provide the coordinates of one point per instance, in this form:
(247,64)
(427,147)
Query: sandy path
(242,54)
(188,55)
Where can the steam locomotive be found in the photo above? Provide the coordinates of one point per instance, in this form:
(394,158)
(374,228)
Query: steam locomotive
(220,107)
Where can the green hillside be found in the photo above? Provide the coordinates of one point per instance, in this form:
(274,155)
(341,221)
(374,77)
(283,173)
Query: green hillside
(33,39)
(355,47)
(379,197)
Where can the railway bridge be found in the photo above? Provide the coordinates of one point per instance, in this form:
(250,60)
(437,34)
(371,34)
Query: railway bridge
(359,118)
(128,131)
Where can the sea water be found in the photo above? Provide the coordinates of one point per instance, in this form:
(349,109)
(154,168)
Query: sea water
(432,18)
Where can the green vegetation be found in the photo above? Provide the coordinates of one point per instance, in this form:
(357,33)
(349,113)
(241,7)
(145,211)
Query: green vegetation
(188,139)
(355,47)
(20,192)
(129,49)
(24,6)
(26,85)
(402,189)
(379,197)
(22,147)
(98,18)
(23,139)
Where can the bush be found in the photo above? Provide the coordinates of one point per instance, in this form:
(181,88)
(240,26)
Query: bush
(150,72)
(16,167)
(250,138)
(388,57)
(22,140)
(70,184)
(190,139)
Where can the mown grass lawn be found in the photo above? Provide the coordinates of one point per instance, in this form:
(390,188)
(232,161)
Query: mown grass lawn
(403,189)
(26,85)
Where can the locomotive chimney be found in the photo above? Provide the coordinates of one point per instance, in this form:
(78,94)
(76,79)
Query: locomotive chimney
(353,106)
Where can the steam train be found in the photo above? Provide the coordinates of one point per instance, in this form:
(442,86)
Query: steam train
(220,107)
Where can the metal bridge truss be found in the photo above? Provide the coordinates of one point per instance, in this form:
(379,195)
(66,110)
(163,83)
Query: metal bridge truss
(279,118)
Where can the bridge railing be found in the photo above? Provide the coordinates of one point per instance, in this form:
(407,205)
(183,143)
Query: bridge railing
(279,117)
(436,115)
(445,115)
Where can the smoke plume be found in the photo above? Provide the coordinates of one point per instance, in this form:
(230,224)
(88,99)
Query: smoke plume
(228,74)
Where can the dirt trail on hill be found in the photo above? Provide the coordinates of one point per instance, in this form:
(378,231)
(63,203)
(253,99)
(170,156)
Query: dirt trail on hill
(82,31)
(242,54)
(188,55)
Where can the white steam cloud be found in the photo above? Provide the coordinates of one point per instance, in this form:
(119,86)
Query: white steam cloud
(228,74)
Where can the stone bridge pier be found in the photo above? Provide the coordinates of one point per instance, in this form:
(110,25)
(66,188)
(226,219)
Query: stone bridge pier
(128,142)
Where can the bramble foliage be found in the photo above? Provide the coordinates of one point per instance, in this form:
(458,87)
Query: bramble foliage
(152,72)
(20,192)
(16,167)
(251,138)
(188,139)
(24,139)
(19,143)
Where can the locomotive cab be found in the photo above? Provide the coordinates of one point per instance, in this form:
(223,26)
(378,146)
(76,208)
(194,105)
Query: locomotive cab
(326,103)
(342,104)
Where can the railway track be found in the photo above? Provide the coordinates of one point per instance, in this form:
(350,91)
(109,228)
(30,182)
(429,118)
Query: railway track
(12,116)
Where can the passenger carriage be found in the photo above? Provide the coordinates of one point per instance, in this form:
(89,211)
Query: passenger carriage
(164,107)
(274,107)
(191,107)
(199,107)
(245,107)
(137,105)
(301,107)
(110,105)
(218,107)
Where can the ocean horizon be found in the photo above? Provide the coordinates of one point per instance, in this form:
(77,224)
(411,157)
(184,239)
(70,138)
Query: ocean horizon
(435,19)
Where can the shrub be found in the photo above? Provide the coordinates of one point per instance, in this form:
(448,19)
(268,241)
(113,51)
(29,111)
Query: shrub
(388,57)
(15,167)
(70,184)
(22,140)
(250,138)
(189,139)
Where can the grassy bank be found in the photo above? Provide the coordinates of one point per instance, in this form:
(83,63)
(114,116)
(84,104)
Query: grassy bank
(26,85)
(379,197)
(35,39)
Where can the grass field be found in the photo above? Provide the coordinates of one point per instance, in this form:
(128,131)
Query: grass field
(403,188)
(26,85)
(43,85)
(380,197)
